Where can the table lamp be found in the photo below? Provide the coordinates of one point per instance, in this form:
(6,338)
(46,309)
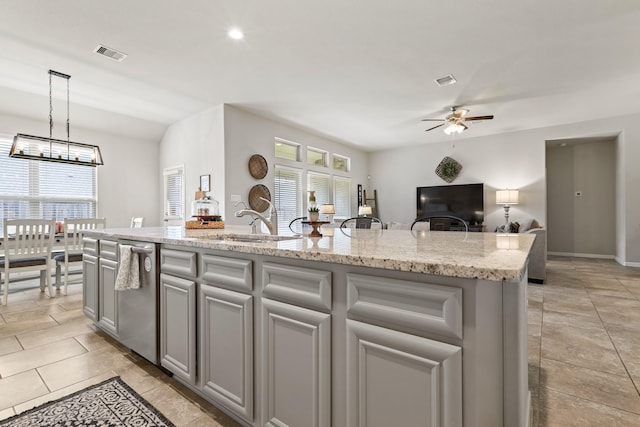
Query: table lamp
(506,198)
(328,210)
(364,210)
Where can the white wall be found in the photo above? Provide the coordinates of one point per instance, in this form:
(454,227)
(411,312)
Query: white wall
(247,134)
(514,160)
(127,182)
(196,142)
(397,173)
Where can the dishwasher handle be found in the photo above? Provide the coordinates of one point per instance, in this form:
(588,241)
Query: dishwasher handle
(147,251)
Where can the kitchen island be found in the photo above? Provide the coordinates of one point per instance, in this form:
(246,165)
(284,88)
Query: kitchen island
(357,328)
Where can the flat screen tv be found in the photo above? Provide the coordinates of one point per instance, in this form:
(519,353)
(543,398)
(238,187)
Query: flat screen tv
(462,201)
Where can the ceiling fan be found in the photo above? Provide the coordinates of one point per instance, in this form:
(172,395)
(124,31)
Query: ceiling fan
(456,121)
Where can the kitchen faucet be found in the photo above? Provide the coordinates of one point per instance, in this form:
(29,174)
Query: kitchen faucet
(271,222)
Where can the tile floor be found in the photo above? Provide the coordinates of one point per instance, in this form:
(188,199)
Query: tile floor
(584,352)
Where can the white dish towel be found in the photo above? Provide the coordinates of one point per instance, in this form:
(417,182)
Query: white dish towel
(129,272)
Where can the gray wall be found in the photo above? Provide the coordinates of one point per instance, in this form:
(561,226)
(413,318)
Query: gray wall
(585,224)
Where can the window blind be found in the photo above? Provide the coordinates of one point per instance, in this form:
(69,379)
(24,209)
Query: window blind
(288,196)
(320,183)
(342,196)
(35,189)
(174,193)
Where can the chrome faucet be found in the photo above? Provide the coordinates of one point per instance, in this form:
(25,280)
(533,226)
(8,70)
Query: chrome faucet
(271,222)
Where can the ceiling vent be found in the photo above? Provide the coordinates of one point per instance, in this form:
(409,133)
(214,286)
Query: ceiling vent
(446,80)
(110,53)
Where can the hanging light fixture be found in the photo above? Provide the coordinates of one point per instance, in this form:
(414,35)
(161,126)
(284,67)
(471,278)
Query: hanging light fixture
(55,150)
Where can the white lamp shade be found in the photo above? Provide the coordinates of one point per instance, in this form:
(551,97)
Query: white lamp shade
(364,210)
(507,241)
(507,197)
(327,209)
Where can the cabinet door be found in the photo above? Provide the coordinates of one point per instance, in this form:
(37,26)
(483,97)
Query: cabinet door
(178,326)
(296,368)
(394,378)
(90,286)
(226,348)
(108,305)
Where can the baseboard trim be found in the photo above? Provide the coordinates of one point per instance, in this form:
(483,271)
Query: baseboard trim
(628,264)
(575,255)
(536,281)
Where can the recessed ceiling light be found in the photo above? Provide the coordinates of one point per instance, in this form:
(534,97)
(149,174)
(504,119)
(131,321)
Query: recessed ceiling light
(235,33)
(446,80)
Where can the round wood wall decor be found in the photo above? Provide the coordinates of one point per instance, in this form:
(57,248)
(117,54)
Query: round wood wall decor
(258,166)
(255,202)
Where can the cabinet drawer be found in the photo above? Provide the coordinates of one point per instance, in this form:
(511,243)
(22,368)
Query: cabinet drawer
(297,285)
(109,249)
(90,246)
(230,273)
(180,263)
(405,305)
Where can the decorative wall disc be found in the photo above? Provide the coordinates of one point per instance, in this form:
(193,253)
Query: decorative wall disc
(448,169)
(255,202)
(258,166)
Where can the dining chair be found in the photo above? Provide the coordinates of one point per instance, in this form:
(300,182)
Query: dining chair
(27,247)
(366,222)
(73,232)
(136,221)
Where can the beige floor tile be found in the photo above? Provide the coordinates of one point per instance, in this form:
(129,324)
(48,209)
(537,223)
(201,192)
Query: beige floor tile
(19,305)
(173,405)
(582,347)
(6,413)
(20,388)
(62,392)
(203,421)
(82,367)
(55,333)
(27,326)
(69,316)
(34,313)
(561,410)
(9,345)
(13,363)
(93,341)
(585,320)
(633,367)
(140,379)
(617,391)
(2,321)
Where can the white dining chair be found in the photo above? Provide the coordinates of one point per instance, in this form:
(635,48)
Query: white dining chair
(27,247)
(136,221)
(73,232)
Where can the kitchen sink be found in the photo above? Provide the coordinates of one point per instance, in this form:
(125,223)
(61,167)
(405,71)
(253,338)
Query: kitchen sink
(251,238)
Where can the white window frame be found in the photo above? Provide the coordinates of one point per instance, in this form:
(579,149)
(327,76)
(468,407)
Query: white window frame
(319,176)
(323,153)
(347,161)
(285,217)
(288,143)
(178,217)
(341,211)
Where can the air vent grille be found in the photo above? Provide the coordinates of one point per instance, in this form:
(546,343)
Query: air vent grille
(446,80)
(110,53)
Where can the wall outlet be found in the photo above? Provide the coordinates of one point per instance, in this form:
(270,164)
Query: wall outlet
(235,198)
(578,193)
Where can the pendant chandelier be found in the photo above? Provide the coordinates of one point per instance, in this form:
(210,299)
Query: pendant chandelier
(55,150)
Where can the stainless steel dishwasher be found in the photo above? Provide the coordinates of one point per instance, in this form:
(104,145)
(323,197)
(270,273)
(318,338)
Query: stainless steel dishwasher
(138,308)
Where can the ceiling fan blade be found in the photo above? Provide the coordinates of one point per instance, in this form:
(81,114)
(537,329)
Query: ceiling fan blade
(433,120)
(435,127)
(470,119)
(460,113)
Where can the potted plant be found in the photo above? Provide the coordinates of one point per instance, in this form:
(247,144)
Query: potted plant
(314,212)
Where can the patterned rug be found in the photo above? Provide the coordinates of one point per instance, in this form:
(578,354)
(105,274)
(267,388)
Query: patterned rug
(111,403)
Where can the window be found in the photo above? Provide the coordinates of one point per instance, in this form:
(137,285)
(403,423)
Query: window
(342,196)
(40,189)
(174,194)
(288,196)
(341,163)
(286,150)
(320,183)
(316,157)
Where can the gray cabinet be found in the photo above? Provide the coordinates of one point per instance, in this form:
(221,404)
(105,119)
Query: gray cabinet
(296,346)
(226,348)
(108,303)
(90,286)
(391,373)
(296,374)
(178,326)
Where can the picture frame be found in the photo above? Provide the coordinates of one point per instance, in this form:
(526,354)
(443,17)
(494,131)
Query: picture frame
(205,182)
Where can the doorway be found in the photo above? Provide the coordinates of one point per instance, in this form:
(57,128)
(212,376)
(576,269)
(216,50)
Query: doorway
(581,197)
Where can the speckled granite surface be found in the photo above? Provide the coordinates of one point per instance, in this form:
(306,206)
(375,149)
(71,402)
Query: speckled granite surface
(474,255)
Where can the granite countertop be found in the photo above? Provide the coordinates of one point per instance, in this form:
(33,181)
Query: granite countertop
(454,254)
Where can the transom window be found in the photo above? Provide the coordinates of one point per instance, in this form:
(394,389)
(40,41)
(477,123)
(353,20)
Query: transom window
(286,150)
(341,163)
(316,157)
